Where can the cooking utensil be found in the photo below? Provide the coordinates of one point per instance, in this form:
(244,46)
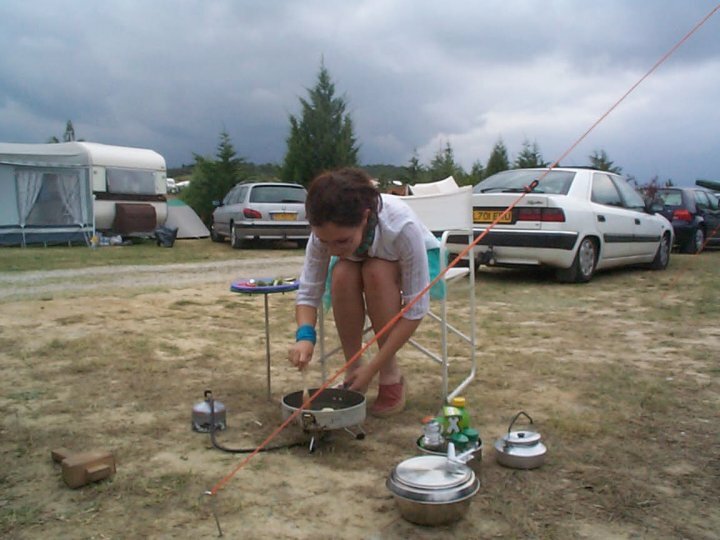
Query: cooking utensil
(433,490)
(305,394)
(520,449)
(333,408)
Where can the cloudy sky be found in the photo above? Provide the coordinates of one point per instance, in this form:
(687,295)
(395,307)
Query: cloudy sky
(172,74)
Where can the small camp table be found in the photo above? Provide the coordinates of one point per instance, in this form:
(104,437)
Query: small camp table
(260,286)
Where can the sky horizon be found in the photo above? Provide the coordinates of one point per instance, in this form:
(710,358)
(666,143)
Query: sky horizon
(416,75)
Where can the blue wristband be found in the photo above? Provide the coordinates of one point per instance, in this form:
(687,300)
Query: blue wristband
(306,332)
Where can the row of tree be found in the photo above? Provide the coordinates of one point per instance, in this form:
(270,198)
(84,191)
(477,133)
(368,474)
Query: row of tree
(322,137)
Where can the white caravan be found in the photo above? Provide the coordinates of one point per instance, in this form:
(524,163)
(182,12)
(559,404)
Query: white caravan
(64,192)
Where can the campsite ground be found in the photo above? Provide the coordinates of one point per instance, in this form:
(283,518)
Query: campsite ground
(620,376)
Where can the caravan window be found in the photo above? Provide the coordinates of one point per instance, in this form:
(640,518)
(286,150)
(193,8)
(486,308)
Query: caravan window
(130,181)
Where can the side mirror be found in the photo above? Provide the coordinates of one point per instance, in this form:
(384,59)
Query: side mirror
(217,204)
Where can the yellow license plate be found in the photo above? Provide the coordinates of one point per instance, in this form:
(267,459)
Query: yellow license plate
(284,216)
(488,216)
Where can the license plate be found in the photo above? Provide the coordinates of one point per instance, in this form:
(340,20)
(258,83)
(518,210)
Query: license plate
(488,216)
(284,216)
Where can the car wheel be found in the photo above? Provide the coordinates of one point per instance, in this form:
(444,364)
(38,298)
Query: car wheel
(698,241)
(662,256)
(235,241)
(214,236)
(694,244)
(583,266)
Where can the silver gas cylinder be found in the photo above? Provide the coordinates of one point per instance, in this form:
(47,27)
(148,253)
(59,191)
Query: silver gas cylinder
(203,413)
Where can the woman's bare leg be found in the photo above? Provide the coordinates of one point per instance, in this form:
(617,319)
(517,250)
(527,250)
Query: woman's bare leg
(381,283)
(348,308)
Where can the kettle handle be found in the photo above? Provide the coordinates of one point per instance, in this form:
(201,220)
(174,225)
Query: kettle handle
(518,416)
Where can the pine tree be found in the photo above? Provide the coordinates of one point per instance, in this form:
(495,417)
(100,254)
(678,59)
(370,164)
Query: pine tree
(322,138)
(213,178)
(414,171)
(477,172)
(529,157)
(443,165)
(599,160)
(498,160)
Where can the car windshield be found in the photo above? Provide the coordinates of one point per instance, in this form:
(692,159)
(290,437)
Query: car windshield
(515,181)
(670,197)
(278,194)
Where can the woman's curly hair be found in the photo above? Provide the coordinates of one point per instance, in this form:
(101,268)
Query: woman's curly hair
(341,197)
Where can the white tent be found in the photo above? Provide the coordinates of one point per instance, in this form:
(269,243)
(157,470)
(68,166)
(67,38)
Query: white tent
(183,218)
(44,197)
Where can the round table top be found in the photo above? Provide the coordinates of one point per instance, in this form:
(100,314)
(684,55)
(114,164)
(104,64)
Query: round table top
(264,285)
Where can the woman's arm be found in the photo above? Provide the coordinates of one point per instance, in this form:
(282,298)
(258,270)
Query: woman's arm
(301,352)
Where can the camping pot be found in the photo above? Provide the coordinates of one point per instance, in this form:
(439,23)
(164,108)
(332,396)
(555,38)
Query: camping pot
(205,411)
(520,449)
(432,490)
(333,408)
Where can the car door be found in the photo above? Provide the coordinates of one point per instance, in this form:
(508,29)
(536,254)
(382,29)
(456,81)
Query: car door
(707,206)
(223,214)
(647,230)
(612,220)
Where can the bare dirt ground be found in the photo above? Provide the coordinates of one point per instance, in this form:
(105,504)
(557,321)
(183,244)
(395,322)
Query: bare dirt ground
(620,376)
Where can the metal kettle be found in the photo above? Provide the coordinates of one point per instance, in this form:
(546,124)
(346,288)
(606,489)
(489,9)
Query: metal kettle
(521,449)
(208,415)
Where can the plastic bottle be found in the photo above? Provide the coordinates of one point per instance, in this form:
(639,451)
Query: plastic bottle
(432,438)
(460,441)
(473,437)
(459,403)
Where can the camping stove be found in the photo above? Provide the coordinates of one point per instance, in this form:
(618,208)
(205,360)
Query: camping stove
(332,409)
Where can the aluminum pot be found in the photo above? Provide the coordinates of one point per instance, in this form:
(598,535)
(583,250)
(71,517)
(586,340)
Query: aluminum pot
(432,490)
(520,449)
(333,408)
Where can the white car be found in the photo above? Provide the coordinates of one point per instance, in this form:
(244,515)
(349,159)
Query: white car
(575,220)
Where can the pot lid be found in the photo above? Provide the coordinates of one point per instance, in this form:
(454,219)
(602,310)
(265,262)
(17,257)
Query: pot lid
(522,438)
(431,479)
(430,472)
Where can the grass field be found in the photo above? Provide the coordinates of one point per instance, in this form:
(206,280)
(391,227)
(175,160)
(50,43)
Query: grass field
(144,252)
(620,376)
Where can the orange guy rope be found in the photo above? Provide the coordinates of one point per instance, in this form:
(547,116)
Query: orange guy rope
(453,263)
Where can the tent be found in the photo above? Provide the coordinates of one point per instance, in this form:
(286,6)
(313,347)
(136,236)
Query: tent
(185,220)
(44,197)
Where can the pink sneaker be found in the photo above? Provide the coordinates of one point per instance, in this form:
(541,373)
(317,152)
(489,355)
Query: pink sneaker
(390,399)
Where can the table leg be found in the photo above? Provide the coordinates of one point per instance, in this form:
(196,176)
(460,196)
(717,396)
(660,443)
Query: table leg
(267,346)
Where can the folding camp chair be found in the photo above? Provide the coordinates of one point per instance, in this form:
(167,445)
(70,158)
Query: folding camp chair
(448,214)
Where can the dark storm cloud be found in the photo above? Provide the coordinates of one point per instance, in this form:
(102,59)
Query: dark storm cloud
(170,75)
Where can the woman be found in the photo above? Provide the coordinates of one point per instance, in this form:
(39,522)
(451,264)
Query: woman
(379,263)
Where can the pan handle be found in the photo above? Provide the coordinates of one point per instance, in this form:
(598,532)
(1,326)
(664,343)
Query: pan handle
(308,420)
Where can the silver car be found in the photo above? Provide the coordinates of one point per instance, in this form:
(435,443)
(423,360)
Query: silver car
(261,211)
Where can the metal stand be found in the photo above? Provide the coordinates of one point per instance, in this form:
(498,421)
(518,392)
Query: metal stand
(248,287)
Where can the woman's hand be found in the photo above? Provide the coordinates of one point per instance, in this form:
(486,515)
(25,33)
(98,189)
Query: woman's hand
(359,379)
(301,353)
